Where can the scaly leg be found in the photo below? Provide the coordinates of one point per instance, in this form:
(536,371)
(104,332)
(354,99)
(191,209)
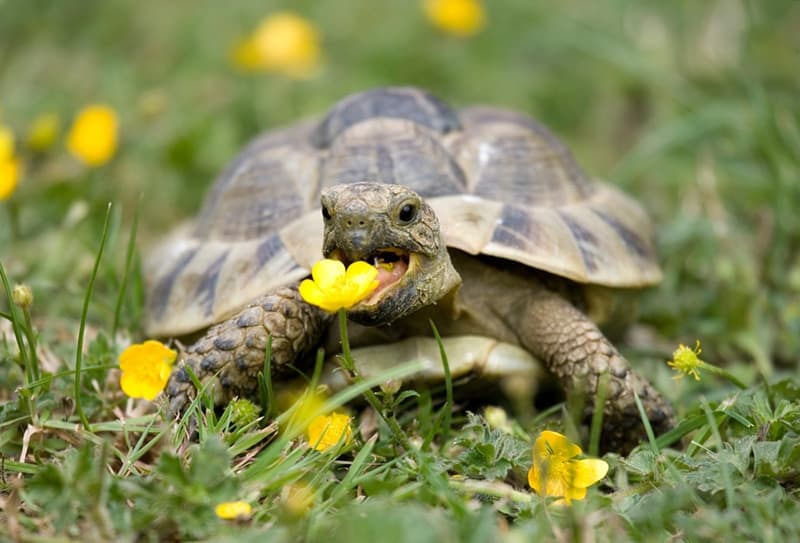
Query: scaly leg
(233,350)
(578,354)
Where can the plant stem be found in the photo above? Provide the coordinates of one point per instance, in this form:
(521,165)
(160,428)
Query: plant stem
(31,336)
(348,364)
(711,368)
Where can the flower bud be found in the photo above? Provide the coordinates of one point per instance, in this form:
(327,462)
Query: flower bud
(22,295)
(497,419)
(243,412)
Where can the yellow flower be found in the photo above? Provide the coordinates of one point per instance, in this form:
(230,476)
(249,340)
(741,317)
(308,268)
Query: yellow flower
(233,510)
(145,369)
(685,361)
(283,42)
(302,407)
(10,167)
(297,498)
(43,132)
(246,55)
(326,431)
(6,142)
(556,471)
(462,18)
(93,136)
(333,288)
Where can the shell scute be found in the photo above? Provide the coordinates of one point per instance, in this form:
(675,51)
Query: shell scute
(500,183)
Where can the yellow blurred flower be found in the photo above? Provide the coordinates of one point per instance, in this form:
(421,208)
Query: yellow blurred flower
(233,510)
(145,369)
(686,362)
(10,171)
(93,136)
(301,406)
(43,132)
(333,288)
(326,431)
(283,42)
(297,498)
(557,472)
(246,56)
(10,166)
(462,18)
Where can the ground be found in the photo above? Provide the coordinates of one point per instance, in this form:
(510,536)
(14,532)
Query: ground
(691,107)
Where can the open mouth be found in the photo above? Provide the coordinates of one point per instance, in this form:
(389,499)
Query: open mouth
(392,265)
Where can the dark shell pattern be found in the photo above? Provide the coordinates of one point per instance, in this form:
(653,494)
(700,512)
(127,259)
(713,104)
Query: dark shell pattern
(501,184)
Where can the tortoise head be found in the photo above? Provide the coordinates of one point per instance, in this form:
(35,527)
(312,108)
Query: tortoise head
(393,228)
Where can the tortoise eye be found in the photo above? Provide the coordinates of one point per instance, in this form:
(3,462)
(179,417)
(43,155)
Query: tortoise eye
(407,213)
(325,213)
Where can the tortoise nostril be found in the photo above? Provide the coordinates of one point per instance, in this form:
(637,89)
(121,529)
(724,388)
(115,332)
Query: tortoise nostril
(362,223)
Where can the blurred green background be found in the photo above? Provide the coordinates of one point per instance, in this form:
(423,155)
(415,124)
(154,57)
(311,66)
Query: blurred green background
(692,107)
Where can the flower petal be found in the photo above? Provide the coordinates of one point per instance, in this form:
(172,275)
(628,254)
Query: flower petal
(551,443)
(327,273)
(574,493)
(326,431)
(588,471)
(312,294)
(362,277)
(145,369)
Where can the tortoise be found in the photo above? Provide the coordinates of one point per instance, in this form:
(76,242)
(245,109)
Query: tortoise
(478,218)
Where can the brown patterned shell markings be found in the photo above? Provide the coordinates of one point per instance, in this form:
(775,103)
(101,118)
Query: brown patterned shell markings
(501,184)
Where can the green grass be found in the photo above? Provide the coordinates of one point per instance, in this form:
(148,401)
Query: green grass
(689,106)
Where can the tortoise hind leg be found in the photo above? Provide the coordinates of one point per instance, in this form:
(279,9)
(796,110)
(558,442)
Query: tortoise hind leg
(575,350)
(232,352)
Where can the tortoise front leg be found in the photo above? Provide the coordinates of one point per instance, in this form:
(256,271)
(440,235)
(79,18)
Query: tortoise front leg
(232,352)
(575,350)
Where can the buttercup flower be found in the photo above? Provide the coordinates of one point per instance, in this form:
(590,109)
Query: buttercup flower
(233,510)
(301,406)
(462,18)
(557,472)
(297,498)
(10,167)
(145,369)
(93,136)
(283,42)
(43,132)
(685,361)
(333,288)
(326,431)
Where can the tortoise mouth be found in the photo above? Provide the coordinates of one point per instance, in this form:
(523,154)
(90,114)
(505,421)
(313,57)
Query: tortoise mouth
(393,265)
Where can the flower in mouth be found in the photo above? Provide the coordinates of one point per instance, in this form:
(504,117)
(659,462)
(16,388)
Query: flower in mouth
(332,287)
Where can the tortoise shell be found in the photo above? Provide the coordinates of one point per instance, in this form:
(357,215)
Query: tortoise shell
(501,184)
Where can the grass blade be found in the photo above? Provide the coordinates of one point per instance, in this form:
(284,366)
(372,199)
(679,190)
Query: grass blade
(84,313)
(129,252)
(447,408)
(597,415)
(12,316)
